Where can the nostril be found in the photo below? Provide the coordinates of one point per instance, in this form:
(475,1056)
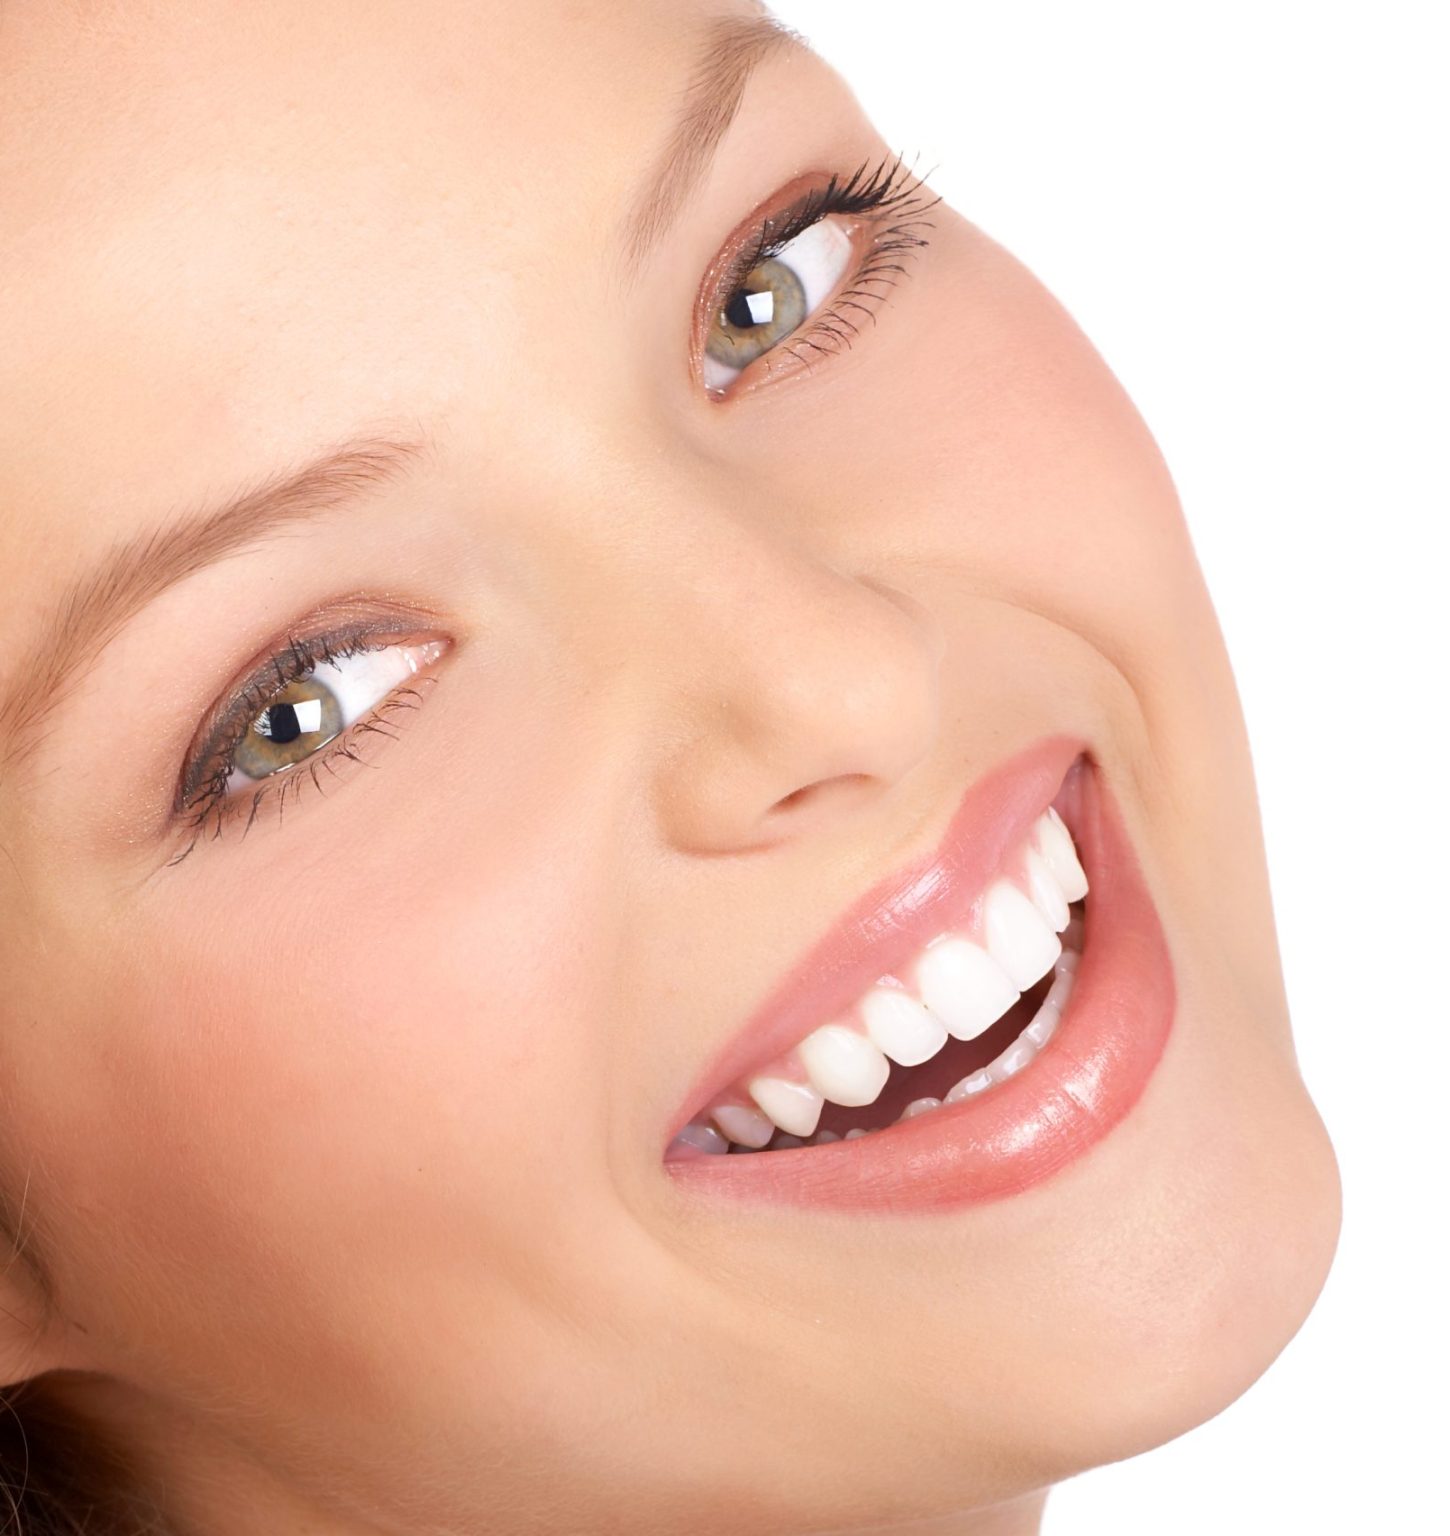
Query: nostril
(815,790)
(793,798)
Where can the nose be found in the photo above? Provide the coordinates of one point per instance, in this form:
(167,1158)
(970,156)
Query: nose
(799,689)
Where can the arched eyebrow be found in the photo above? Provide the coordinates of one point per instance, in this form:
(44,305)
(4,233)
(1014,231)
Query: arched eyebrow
(89,613)
(734,47)
(93,610)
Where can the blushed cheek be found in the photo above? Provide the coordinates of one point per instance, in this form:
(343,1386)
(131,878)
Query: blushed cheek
(271,1099)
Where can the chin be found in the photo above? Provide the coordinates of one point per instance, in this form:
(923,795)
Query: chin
(1210,1259)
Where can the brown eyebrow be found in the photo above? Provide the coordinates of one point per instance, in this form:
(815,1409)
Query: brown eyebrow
(95,608)
(92,610)
(733,49)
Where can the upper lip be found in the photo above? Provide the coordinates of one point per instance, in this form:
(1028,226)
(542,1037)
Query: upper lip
(895,918)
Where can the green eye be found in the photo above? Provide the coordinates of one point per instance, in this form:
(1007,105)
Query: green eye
(774,299)
(767,306)
(298,719)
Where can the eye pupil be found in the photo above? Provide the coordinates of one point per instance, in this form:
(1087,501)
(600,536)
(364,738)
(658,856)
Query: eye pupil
(768,305)
(742,313)
(302,717)
(281,724)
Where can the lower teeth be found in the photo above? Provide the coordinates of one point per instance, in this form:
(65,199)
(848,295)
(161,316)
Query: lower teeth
(1012,1060)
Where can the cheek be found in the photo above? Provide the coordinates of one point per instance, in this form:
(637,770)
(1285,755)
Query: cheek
(1035,462)
(975,434)
(327,1083)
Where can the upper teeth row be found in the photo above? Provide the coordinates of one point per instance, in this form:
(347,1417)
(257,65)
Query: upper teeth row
(960,984)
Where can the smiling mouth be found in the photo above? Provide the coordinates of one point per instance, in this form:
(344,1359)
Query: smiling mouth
(965,1030)
(969,1011)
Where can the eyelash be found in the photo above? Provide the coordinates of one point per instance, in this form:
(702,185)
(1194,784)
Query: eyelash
(202,800)
(890,192)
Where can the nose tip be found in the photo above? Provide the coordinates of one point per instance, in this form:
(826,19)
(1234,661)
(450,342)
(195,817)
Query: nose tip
(808,711)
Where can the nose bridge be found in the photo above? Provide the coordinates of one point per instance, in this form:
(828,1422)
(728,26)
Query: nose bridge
(779,672)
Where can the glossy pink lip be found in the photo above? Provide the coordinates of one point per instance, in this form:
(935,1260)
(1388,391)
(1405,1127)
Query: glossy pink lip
(1088,1076)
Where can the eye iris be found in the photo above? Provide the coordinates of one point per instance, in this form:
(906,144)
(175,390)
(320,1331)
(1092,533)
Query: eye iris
(298,719)
(768,305)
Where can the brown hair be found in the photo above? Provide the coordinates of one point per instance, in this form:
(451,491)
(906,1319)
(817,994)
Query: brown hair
(60,1477)
(61,1474)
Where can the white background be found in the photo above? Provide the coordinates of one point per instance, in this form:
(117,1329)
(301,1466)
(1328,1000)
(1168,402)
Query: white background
(1243,206)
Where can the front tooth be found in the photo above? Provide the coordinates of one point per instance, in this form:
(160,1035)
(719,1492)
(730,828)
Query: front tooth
(745,1126)
(795,1107)
(1046,892)
(920,1107)
(843,1066)
(1058,849)
(902,1028)
(1018,936)
(963,986)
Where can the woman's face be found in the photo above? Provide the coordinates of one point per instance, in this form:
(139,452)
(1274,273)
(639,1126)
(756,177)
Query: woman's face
(342,1096)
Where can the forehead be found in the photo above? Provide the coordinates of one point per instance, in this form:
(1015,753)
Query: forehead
(221,219)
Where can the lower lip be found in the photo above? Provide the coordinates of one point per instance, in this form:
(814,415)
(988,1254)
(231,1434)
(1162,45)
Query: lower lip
(1079,1086)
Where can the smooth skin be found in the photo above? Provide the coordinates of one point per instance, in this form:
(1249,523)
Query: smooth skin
(339,1145)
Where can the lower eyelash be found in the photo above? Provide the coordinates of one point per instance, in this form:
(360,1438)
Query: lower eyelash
(216,808)
(884,265)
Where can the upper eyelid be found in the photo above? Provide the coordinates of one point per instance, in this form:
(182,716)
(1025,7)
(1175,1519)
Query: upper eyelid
(405,625)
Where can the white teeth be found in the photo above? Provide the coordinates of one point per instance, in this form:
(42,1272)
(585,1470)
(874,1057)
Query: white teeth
(1046,893)
(1025,1047)
(955,986)
(705,1137)
(1056,844)
(1011,1061)
(795,1107)
(1018,936)
(1049,1015)
(901,1027)
(1044,1026)
(747,1127)
(843,1066)
(976,1083)
(963,986)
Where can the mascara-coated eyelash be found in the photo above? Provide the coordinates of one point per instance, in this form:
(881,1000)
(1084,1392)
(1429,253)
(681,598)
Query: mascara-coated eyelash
(285,709)
(889,200)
